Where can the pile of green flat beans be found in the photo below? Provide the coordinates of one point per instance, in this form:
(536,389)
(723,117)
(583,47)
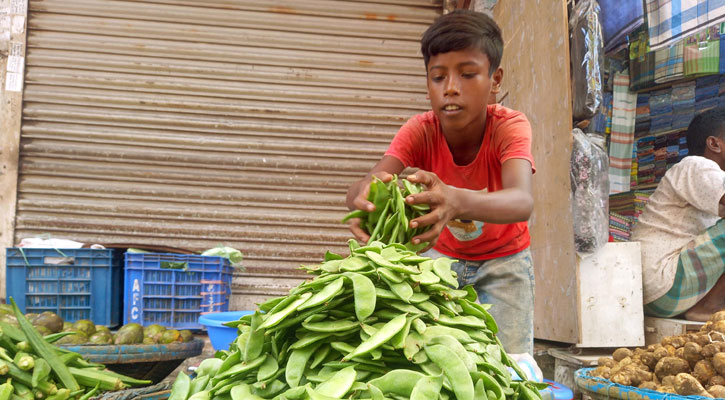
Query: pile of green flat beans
(390,222)
(382,323)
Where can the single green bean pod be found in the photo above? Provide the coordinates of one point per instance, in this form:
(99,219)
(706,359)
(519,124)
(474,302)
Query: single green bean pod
(41,371)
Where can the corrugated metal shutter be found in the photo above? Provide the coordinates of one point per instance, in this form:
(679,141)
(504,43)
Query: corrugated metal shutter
(191,124)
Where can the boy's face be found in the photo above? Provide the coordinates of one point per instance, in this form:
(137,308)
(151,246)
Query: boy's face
(459,87)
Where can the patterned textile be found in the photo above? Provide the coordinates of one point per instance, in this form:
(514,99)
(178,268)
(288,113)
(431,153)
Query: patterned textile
(619,19)
(669,63)
(672,20)
(620,227)
(700,265)
(641,62)
(702,53)
(622,137)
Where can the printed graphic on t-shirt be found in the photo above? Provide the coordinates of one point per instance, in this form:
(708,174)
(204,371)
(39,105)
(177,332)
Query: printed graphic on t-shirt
(466,229)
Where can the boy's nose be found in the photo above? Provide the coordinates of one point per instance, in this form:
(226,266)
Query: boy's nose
(452,87)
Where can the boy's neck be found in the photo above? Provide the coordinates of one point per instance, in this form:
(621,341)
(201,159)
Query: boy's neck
(717,157)
(466,143)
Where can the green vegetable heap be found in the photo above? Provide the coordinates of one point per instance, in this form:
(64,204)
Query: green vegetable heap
(31,368)
(383,323)
(389,223)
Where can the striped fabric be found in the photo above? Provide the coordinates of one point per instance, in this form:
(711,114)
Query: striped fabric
(623,121)
(669,63)
(699,267)
(673,20)
(702,53)
(722,48)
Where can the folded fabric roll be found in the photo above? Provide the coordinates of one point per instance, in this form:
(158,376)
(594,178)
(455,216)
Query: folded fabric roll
(683,90)
(660,110)
(704,105)
(642,128)
(706,92)
(619,19)
(682,121)
(707,80)
(669,63)
(682,106)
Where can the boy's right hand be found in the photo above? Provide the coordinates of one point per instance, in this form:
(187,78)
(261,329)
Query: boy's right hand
(358,231)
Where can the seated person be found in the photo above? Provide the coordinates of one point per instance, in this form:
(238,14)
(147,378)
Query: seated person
(681,230)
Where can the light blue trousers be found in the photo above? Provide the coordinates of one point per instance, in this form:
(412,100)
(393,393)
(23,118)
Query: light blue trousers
(507,283)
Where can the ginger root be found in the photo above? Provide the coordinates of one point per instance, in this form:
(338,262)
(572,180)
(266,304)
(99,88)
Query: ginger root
(621,353)
(717,391)
(704,371)
(718,362)
(687,385)
(671,366)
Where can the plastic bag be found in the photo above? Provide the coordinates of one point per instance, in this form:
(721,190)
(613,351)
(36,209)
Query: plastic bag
(590,189)
(585,43)
(527,364)
(235,256)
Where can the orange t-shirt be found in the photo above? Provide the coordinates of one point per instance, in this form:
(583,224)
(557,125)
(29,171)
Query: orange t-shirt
(421,144)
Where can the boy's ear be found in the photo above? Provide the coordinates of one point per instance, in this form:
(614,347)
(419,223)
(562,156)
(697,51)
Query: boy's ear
(496,80)
(714,144)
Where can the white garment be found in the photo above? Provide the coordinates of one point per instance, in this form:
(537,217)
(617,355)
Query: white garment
(685,204)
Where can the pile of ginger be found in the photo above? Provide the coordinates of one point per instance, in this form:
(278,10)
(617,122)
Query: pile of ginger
(689,364)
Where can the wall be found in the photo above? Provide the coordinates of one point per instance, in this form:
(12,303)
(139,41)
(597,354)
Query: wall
(12,61)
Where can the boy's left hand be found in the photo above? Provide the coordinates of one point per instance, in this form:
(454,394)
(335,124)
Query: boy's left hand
(442,201)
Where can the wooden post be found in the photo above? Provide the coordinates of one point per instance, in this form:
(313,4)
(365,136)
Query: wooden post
(13,23)
(537,83)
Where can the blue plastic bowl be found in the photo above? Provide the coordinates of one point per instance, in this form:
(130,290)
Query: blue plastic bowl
(221,336)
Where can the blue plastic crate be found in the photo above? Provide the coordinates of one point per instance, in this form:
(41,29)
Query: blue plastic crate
(73,283)
(158,293)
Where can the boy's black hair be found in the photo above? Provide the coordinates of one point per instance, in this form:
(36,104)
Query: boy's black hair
(709,123)
(462,30)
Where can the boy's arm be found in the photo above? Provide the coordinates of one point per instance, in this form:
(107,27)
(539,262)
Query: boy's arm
(513,203)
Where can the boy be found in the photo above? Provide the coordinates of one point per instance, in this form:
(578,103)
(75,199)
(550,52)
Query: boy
(475,162)
(681,231)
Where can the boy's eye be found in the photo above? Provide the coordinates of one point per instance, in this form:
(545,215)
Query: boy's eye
(468,74)
(437,78)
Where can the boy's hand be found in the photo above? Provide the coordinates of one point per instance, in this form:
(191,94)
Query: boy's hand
(358,231)
(442,201)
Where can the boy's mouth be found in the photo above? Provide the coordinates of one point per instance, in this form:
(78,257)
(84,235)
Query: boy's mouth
(452,108)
